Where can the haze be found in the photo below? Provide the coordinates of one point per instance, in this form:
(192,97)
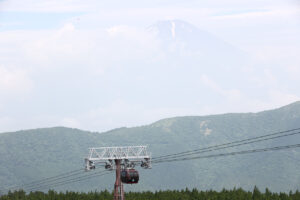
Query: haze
(98,65)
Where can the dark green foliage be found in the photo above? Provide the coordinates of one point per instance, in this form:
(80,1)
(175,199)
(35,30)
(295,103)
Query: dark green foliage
(194,194)
(256,194)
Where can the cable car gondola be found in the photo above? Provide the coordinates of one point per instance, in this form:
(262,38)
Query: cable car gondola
(129,176)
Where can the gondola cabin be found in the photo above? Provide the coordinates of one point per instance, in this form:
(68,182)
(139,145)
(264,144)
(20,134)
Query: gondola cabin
(129,176)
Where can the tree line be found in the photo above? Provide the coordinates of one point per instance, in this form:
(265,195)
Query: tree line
(194,194)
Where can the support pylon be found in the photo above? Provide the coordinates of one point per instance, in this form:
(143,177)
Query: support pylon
(130,155)
(118,190)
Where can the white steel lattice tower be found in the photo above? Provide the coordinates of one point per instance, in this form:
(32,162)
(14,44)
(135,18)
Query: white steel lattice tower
(118,158)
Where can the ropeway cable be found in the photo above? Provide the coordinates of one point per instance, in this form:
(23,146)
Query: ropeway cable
(228,145)
(232,153)
(77,179)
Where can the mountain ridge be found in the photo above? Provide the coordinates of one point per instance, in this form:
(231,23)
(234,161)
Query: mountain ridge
(289,106)
(35,154)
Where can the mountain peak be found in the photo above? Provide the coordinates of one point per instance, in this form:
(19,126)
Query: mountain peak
(170,28)
(180,36)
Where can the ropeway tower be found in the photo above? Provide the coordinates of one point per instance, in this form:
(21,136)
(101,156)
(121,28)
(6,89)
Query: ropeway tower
(121,159)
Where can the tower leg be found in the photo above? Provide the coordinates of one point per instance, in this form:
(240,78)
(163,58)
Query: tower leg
(118,189)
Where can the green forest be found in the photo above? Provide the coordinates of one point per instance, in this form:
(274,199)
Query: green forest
(31,155)
(194,194)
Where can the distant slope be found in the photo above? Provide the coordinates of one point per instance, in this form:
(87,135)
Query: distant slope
(35,154)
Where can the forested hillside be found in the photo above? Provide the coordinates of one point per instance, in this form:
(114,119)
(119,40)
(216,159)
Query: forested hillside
(35,154)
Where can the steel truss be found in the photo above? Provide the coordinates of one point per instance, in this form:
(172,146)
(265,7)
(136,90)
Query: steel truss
(117,158)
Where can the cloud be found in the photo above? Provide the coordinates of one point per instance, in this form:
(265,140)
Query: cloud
(54,48)
(271,12)
(278,98)
(131,43)
(6,124)
(229,94)
(119,30)
(45,6)
(269,94)
(15,85)
(293,71)
(70,122)
(14,81)
(72,47)
(263,79)
(275,98)
(105,71)
(69,67)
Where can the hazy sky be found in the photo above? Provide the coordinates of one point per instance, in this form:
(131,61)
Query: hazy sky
(85,64)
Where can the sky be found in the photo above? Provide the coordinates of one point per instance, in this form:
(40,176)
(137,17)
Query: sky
(94,65)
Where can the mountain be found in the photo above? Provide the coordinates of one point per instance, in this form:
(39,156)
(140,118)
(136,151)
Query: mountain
(29,155)
(185,45)
(192,62)
(178,34)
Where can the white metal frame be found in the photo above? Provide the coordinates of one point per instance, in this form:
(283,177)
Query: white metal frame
(129,156)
